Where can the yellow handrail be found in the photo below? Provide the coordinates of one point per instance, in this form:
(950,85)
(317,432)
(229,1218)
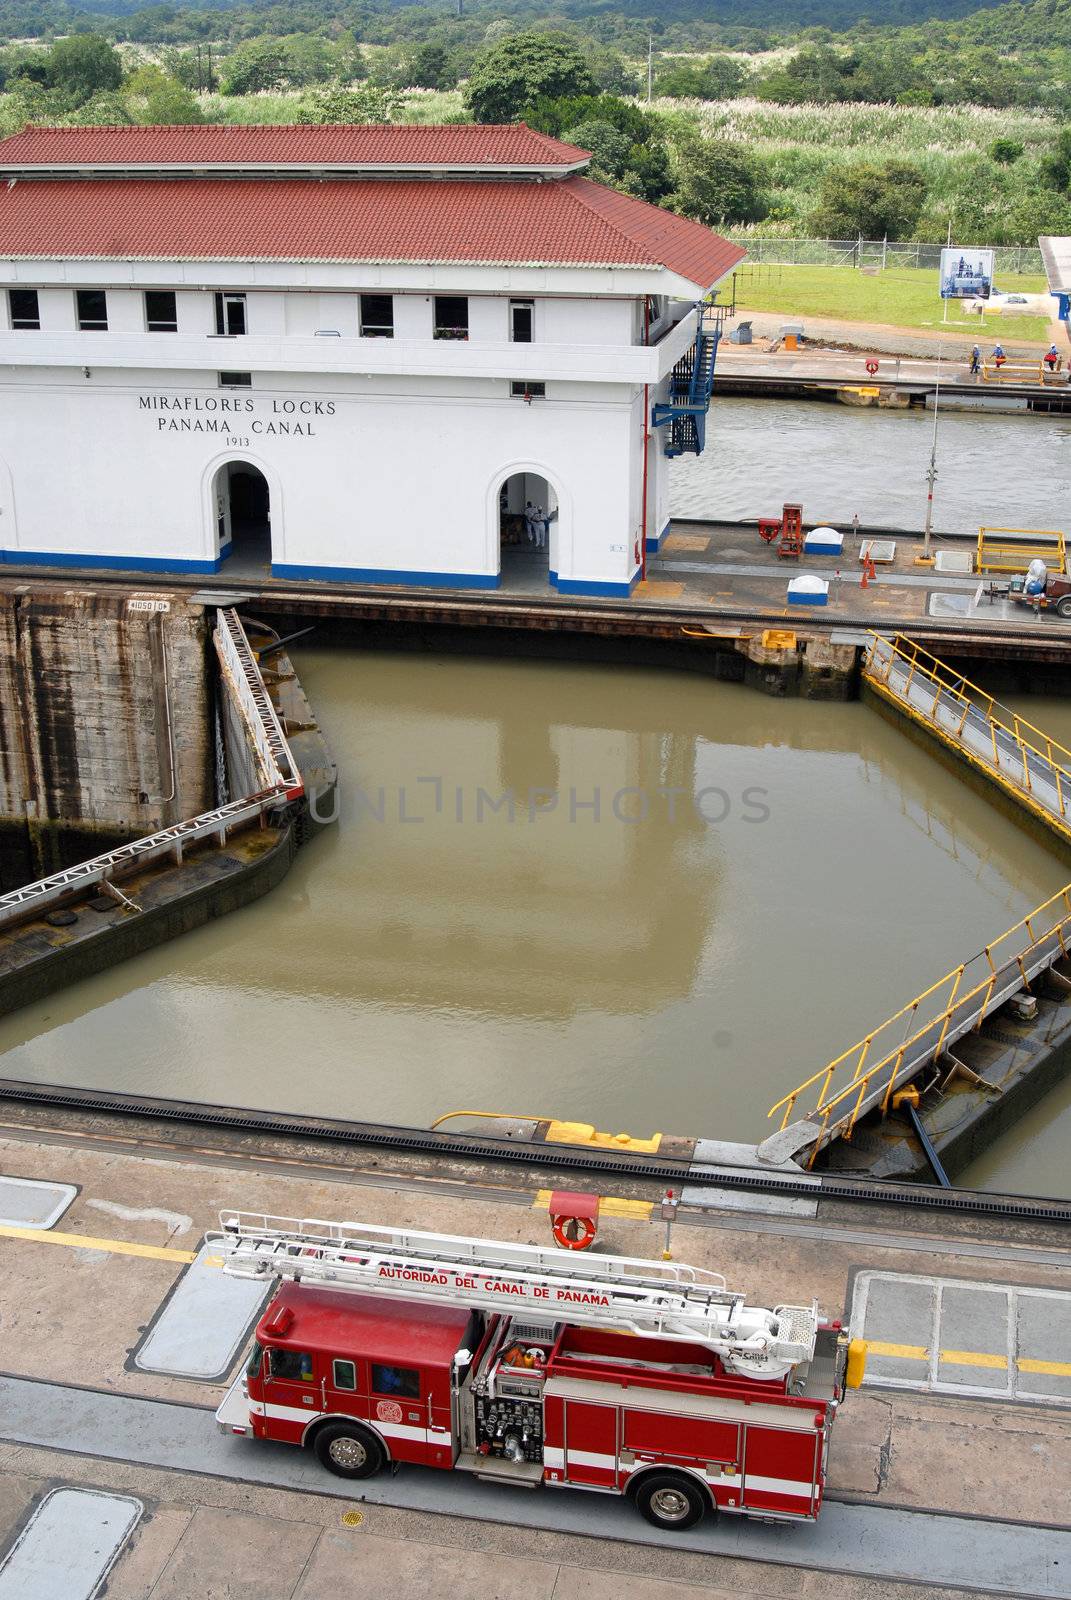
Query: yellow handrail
(489,1116)
(954,998)
(1025,734)
(1020,546)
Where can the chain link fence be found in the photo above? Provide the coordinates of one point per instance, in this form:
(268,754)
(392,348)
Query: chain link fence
(875,254)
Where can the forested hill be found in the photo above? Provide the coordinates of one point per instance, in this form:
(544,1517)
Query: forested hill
(679,24)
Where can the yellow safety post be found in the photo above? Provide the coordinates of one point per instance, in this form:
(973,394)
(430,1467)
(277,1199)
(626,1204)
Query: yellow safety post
(855,1366)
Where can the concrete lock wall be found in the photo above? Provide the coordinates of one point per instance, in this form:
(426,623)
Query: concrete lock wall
(386,475)
(106,724)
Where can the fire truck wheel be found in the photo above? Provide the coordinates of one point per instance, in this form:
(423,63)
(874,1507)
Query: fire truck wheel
(348,1450)
(671,1500)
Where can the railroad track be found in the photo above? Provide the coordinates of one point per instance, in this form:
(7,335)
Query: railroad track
(666,1171)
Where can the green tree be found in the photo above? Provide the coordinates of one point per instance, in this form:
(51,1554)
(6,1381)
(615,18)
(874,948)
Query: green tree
(156,98)
(609,149)
(509,77)
(1056,168)
(717,182)
(257,65)
(720,78)
(430,67)
(84,65)
(1006,152)
(870,200)
(367,104)
(646,168)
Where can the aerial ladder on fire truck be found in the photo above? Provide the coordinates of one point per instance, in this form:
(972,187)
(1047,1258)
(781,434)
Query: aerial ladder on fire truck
(665,1300)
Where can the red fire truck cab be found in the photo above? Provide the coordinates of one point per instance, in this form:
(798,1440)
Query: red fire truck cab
(365,1380)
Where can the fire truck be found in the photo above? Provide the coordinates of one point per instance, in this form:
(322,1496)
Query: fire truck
(531,1366)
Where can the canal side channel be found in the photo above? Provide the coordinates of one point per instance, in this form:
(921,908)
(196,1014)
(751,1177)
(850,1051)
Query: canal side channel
(144,724)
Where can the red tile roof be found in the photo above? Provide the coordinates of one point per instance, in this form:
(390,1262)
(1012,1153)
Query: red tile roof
(462,145)
(565,222)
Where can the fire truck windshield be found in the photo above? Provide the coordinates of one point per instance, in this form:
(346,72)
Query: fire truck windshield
(252,1366)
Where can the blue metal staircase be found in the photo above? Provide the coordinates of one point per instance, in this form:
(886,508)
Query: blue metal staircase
(685,412)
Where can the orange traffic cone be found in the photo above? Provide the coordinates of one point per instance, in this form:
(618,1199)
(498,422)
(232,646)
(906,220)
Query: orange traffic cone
(869,571)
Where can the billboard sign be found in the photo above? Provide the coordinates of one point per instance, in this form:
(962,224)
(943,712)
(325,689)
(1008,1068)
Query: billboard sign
(966,274)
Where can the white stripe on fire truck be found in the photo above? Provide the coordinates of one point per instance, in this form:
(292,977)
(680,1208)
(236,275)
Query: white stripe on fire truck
(390,1430)
(554,1458)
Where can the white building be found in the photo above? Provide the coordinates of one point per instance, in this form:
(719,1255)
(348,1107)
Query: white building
(355,353)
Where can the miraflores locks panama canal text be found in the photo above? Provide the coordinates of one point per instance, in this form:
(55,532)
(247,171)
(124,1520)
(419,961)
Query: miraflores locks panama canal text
(230,415)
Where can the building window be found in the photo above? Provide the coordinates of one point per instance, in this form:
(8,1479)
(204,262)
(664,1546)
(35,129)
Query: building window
(377,316)
(236,380)
(24,309)
(230,315)
(161,315)
(451,316)
(92,310)
(521,321)
(396,1380)
(345,1375)
(521,390)
(294,1365)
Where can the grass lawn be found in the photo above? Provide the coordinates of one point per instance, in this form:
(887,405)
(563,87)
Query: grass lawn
(902,297)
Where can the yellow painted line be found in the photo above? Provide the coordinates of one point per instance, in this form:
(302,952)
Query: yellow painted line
(974,1358)
(609,1206)
(84,1241)
(969,1358)
(906,1352)
(1052,1369)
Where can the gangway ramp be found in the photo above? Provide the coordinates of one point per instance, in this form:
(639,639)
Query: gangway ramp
(1031,769)
(914,1039)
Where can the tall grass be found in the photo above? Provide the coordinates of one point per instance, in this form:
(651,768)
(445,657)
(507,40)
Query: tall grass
(909,132)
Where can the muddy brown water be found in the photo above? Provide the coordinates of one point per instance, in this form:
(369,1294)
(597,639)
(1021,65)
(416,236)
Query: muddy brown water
(698,895)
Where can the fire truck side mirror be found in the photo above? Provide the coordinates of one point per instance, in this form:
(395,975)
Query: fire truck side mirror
(855,1367)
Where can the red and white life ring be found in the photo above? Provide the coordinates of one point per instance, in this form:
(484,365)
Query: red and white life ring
(574,1233)
(872,365)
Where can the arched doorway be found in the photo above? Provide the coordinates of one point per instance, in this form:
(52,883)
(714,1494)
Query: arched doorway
(527,530)
(242,503)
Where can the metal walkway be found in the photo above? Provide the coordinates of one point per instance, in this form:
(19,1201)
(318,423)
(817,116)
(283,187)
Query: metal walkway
(866,1077)
(1034,769)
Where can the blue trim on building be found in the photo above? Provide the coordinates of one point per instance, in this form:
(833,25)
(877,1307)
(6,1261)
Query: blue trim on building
(54,558)
(655,544)
(425,580)
(585,586)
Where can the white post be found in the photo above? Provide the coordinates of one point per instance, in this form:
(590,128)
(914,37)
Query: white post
(931,473)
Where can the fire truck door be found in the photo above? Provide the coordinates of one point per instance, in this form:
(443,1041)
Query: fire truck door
(590,1443)
(292,1395)
(411,1408)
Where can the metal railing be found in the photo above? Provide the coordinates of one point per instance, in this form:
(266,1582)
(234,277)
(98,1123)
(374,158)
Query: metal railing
(1013,549)
(902,1046)
(242,674)
(763,249)
(1033,767)
(282,784)
(34,898)
(1021,372)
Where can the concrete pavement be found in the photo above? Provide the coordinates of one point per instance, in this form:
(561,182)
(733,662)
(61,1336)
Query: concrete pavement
(77,1408)
(860,1540)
